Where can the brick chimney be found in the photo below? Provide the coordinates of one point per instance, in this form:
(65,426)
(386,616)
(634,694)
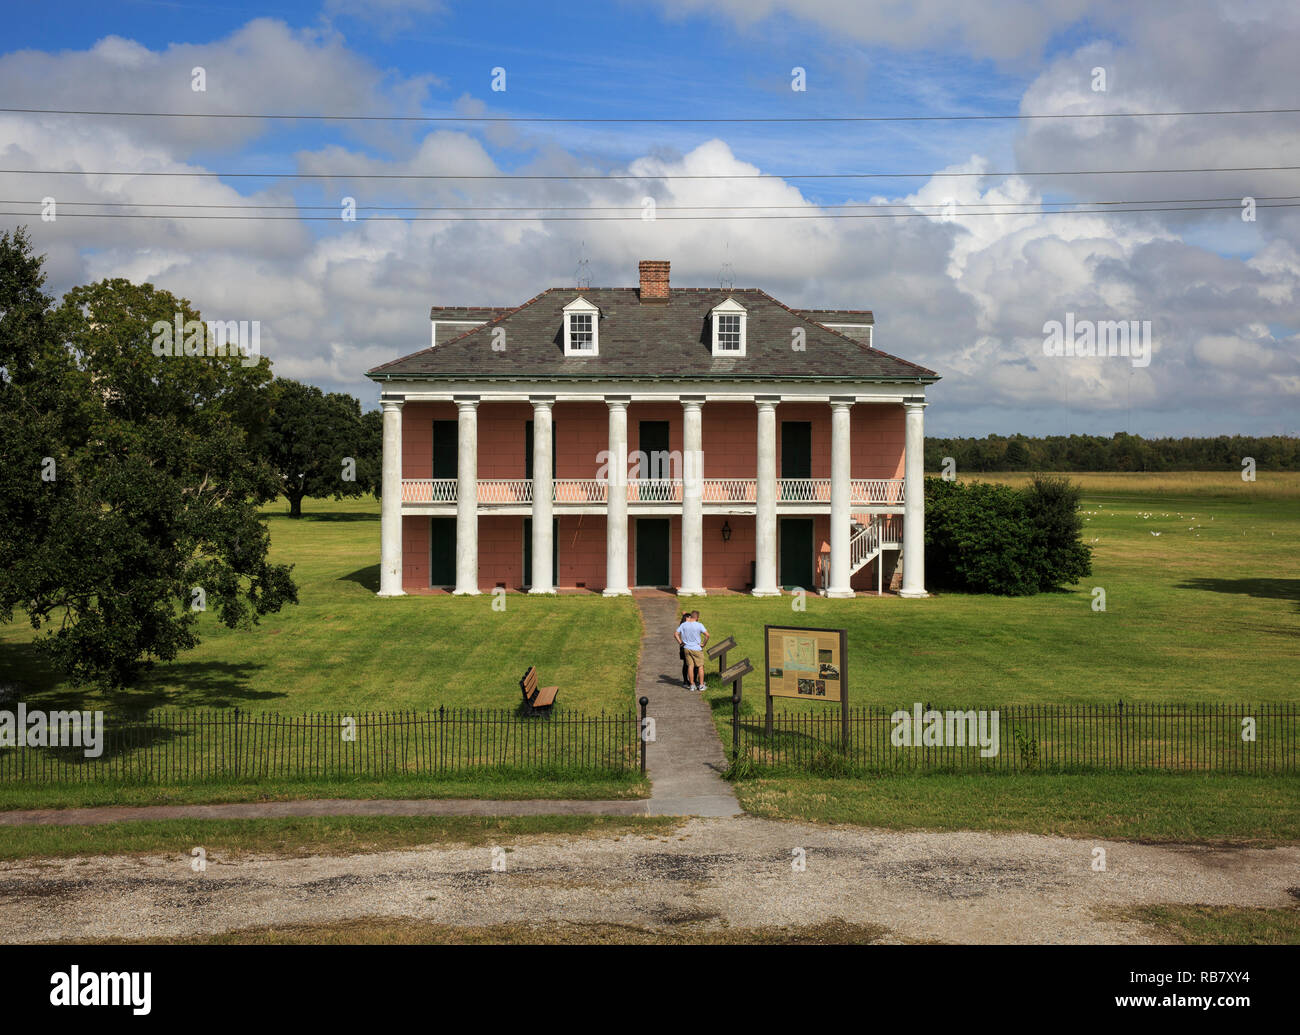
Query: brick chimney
(654,280)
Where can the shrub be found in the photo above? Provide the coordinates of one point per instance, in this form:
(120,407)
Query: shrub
(1053,505)
(978,538)
(983,537)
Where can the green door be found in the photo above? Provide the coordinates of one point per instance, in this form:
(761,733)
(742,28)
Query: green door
(797,553)
(445,455)
(652,440)
(528,551)
(653,559)
(796,449)
(442,551)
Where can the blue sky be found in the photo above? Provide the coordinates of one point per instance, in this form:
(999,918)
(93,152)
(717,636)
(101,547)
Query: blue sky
(967,297)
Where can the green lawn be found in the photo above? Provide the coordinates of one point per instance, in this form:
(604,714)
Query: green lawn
(1182,807)
(346,835)
(343,648)
(1208,610)
(1223,925)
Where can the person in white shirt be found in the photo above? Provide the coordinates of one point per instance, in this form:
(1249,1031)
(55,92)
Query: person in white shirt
(693,636)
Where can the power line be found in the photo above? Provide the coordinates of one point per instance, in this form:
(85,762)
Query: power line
(639,119)
(673,219)
(624,208)
(641,176)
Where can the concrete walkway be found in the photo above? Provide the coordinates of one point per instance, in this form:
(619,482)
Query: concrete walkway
(684,763)
(686,760)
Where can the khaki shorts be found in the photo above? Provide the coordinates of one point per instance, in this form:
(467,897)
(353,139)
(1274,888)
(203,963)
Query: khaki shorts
(695,657)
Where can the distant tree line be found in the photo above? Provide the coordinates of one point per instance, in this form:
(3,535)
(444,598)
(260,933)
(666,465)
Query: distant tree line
(1120,452)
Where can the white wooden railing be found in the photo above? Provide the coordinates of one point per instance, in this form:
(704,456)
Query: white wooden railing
(864,545)
(730,490)
(863,491)
(428,490)
(803,490)
(654,490)
(580,490)
(879,492)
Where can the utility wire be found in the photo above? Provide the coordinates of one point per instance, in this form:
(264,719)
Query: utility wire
(640,176)
(711,119)
(672,219)
(628,207)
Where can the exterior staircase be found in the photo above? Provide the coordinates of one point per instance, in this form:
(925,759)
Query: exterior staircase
(864,544)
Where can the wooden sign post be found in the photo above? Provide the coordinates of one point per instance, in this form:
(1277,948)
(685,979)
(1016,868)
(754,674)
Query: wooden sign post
(735,675)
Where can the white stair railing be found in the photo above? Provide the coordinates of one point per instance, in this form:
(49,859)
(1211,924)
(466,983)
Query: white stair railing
(864,547)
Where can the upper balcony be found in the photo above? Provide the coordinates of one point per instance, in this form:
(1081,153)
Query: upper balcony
(590,495)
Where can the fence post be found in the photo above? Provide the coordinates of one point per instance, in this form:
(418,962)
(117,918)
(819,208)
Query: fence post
(644,702)
(1120,725)
(735,721)
(236,773)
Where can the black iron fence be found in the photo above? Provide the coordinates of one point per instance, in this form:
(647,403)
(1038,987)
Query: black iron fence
(1227,738)
(179,746)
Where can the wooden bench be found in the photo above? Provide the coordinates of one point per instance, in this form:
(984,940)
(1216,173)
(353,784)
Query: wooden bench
(719,651)
(536,697)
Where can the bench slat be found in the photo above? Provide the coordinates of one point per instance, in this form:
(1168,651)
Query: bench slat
(545,696)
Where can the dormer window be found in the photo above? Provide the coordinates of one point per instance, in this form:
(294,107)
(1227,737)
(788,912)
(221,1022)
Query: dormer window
(581,328)
(729,329)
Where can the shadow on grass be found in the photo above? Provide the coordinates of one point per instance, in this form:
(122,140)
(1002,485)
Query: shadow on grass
(367,577)
(194,684)
(1262,589)
(180,684)
(328,515)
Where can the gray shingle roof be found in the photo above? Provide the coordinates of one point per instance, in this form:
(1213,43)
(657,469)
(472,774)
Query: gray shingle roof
(654,339)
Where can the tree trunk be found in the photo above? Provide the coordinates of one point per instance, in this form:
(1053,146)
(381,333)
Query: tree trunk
(295,506)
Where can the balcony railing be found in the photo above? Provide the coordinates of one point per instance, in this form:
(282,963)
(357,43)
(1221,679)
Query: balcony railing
(878,492)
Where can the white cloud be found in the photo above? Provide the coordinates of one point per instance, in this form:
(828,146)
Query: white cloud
(967,297)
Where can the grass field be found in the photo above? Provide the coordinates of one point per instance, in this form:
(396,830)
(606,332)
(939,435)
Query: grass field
(1172,807)
(1223,925)
(342,647)
(345,835)
(1207,610)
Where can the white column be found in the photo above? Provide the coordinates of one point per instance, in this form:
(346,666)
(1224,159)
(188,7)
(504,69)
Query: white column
(692,499)
(914,501)
(765,512)
(390,508)
(543,494)
(841,499)
(616,502)
(467,497)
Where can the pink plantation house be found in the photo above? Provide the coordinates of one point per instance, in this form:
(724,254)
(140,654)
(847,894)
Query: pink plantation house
(609,438)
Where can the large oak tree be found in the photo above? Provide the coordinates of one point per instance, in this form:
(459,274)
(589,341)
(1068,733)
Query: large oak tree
(129,482)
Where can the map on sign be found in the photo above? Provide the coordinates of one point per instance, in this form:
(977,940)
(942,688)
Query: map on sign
(800,654)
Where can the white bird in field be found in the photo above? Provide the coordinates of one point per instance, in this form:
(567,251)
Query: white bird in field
(1155,533)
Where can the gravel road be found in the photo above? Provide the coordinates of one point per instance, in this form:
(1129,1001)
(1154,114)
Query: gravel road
(716,873)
